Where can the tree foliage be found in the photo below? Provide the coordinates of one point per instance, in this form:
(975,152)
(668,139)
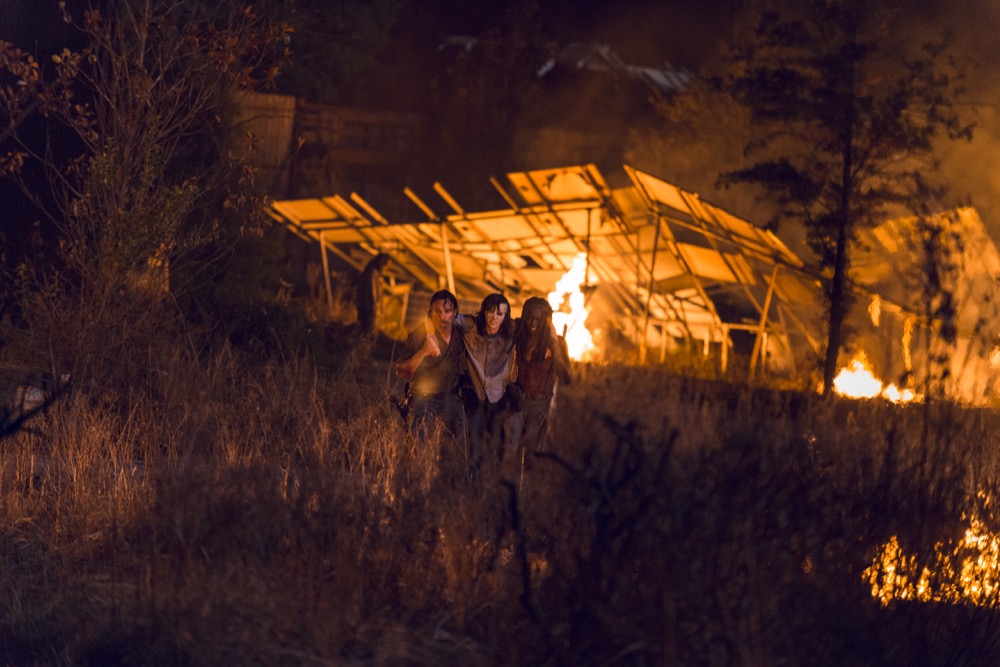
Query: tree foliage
(154,170)
(335,47)
(845,118)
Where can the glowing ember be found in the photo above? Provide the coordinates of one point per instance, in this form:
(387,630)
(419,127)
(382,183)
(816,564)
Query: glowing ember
(858,381)
(570,312)
(897,395)
(967,572)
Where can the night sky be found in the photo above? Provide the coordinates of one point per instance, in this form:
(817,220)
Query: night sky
(688,33)
(685,33)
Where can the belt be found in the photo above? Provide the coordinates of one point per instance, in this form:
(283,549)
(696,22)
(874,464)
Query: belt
(434,397)
(536,396)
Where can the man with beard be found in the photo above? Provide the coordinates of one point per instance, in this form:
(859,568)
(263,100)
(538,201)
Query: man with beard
(431,360)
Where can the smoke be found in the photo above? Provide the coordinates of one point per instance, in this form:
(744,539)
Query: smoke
(969,169)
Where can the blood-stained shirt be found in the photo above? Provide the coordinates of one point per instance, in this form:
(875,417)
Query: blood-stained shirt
(538,375)
(490,360)
(435,375)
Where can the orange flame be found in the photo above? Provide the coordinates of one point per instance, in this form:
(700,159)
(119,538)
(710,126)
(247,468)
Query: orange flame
(858,381)
(570,312)
(966,570)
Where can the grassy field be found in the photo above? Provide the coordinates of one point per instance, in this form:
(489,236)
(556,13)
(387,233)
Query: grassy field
(275,514)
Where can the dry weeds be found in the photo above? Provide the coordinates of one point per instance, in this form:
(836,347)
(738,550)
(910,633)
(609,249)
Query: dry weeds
(279,514)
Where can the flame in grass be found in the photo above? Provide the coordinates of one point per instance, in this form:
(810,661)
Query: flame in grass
(967,573)
(570,312)
(858,381)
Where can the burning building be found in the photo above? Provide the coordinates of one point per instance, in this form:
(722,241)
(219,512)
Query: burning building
(642,269)
(927,312)
(654,268)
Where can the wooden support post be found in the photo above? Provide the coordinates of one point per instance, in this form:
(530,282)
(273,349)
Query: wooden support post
(444,233)
(649,293)
(760,342)
(725,347)
(763,355)
(663,343)
(403,309)
(447,259)
(326,274)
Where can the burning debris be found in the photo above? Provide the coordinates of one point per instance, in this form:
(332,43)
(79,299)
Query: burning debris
(675,271)
(570,312)
(965,572)
(857,380)
(933,290)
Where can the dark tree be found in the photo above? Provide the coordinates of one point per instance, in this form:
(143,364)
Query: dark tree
(334,47)
(156,169)
(844,117)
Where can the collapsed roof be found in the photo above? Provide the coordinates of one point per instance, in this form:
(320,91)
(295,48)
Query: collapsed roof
(933,306)
(601,58)
(663,267)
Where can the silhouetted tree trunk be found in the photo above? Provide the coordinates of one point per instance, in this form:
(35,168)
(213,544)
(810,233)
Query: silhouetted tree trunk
(844,117)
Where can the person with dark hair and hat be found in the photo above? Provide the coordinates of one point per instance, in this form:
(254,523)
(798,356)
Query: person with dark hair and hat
(489,348)
(431,361)
(542,360)
(368,295)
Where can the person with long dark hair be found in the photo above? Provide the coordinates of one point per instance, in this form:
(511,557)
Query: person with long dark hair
(489,347)
(542,361)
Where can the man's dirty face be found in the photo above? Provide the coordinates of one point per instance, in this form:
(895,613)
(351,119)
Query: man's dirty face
(442,314)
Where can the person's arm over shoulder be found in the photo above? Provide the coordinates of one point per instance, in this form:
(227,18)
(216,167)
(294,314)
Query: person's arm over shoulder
(465,322)
(404,366)
(424,345)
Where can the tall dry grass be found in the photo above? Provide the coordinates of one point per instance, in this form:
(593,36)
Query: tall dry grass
(234,511)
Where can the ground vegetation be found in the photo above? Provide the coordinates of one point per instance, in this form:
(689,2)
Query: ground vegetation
(182,498)
(278,513)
